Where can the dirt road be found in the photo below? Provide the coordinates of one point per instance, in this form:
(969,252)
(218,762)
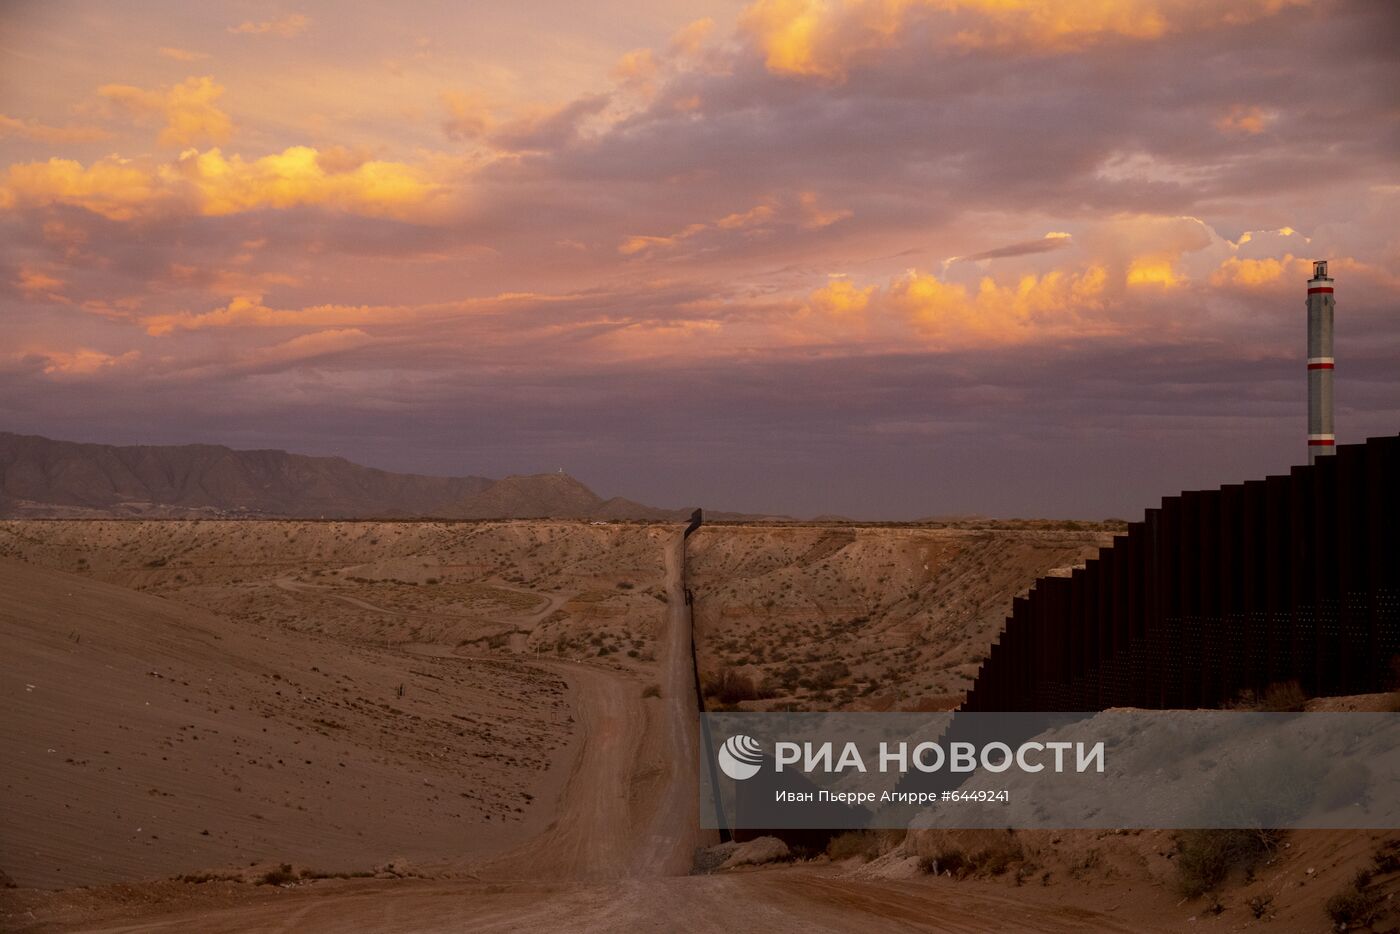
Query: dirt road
(668,846)
(775,901)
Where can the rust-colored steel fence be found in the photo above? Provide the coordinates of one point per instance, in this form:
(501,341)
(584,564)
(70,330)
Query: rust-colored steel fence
(1290,578)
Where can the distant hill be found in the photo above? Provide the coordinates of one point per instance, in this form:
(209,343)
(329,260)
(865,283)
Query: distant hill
(40,477)
(556,495)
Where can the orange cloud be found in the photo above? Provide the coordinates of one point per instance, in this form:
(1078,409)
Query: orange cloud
(1242,119)
(637,71)
(249,311)
(284,27)
(189,109)
(758,219)
(82,362)
(687,41)
(758,214)
(308,346)
(822,38)
(213,184)
(37,284)
(840,298)
(641,244)
(813,217)
(40,132)
(1259,273)
(296,177)
(111,187)
(1153,271)
(1056,303)
(949,314)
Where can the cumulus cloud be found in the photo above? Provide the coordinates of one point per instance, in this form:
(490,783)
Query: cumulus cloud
(189,109)
(211,184)
(112,187)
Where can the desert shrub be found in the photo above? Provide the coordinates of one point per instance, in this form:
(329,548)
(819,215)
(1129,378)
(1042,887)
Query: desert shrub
(1205,858)
(282,875)
(995,860)
(1358,905)
(952,861)
(827,676)
(199,878)
(1283,696)
(1387,856)
(1086,863)
(991,860)
(730,687)
(1259,905)
(864,844)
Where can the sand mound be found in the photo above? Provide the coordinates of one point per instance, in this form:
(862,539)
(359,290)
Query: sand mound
(146,737)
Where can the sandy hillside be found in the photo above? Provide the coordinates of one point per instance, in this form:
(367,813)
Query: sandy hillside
(823,617)
(145,737)
(164,679)
(815,617)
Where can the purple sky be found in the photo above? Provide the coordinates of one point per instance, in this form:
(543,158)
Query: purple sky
(884,258)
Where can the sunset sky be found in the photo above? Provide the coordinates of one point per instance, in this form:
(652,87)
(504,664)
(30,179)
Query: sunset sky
(883,258)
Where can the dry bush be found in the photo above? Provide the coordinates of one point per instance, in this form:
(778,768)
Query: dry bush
(1387,856)
(1205,858)
(1279,697)
(730,687)
(1284,696)
(992,859)
(1357,906)
(282,875)
(864,844)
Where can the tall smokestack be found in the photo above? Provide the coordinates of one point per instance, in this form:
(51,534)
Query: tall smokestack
(1321,440)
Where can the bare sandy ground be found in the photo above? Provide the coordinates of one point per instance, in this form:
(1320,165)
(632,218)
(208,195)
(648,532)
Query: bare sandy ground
(145,737)
(779,901)
(161,680)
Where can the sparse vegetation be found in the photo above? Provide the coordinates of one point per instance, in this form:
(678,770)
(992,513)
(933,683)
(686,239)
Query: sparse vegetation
(730,687)
(281,875)
(1358,905)
(1387,856)
(1206,858)
(854,844)
(1279,697)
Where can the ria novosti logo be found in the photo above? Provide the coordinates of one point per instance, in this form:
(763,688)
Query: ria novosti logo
(740,757)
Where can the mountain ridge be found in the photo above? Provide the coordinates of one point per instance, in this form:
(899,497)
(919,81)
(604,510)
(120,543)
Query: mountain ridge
(45,478)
